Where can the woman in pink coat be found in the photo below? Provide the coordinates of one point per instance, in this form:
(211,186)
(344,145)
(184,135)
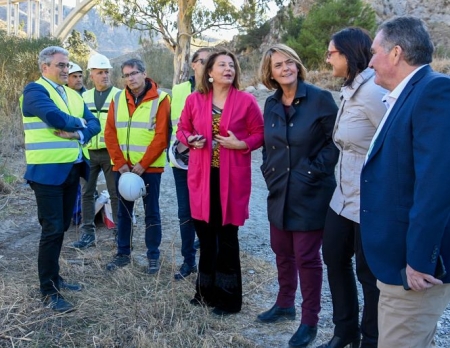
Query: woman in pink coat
(221,125)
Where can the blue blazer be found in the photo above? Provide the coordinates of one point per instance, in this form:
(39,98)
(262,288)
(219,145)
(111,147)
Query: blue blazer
(405,183)
(37,102)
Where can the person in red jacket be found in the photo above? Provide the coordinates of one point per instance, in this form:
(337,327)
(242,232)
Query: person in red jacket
(222,126)
(140,150)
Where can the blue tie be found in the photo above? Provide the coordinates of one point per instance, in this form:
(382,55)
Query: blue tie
(62,93)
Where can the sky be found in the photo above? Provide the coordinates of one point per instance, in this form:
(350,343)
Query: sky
(225,34)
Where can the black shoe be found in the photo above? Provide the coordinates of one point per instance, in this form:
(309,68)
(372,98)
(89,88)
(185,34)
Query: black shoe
(303,337)
(153,266)
(337,342)
(86,241)
(71,287)
(119,261)
(185,270)
(57,303)
(277,313)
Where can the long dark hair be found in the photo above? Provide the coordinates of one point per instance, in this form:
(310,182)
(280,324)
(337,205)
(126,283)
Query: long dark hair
(354,43)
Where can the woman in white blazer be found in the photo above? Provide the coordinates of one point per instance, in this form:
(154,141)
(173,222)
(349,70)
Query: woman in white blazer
(360,112)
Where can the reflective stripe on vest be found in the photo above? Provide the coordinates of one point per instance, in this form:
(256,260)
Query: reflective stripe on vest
(98,141)
(42,146)
(136,133)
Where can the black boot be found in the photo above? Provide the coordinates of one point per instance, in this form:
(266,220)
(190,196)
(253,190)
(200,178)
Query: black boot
(277,314)
(303,337)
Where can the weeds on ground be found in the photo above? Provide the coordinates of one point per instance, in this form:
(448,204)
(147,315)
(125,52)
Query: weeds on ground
(125,308)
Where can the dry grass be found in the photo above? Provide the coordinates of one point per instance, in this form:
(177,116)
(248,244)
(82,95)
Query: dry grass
(125,308)
(441,65)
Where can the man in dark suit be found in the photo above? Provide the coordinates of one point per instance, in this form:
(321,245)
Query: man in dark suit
(57,125)
(405,187)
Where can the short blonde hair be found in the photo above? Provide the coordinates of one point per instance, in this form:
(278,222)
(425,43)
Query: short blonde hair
(265,67)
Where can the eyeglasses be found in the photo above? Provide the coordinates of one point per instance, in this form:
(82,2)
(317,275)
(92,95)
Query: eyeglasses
(328,54)
(133,73)
(63,66)
(201,60)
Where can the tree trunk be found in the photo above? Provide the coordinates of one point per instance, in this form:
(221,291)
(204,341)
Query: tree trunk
(183,47)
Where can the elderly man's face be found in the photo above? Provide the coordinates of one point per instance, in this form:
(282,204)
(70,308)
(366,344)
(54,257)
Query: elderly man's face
(58,70)
(383,64)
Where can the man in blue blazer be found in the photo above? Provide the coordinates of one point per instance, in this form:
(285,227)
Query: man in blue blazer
(57,125)
(405,187)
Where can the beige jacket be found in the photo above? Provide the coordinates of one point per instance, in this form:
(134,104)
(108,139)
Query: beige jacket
(359,114)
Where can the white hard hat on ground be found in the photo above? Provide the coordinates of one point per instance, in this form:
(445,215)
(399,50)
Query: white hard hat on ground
(74,68)
(131,186)
(99,61)
(179,155)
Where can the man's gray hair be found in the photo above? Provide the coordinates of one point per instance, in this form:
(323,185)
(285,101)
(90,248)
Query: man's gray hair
(46,55)
(133,63)
(411,34)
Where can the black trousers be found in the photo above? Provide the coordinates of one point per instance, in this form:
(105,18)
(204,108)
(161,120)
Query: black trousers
(55,207)
(219,280)
(342,240)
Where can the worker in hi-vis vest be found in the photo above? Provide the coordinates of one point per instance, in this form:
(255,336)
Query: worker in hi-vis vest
(137,136)
(97,100)
(57,126)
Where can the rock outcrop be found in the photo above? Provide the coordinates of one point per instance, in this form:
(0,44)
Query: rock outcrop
(436,13)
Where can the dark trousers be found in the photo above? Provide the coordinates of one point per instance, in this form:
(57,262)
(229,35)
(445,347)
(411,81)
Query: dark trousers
(219,280)
(153,231)
(187,229)
(342,240)
(55,208)
(298,256)
(99,161)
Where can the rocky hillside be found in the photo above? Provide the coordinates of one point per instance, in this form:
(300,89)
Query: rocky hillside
(436,13)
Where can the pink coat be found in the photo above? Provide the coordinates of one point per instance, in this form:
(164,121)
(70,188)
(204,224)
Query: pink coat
(242,116)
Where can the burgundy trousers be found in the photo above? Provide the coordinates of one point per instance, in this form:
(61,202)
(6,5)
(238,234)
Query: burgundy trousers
(298,256)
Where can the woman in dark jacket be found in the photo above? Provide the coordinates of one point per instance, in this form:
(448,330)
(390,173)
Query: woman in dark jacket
(298,165)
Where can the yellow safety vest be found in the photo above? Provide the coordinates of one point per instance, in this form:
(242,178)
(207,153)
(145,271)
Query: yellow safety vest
(179,94)
(135,134)
(42,146)
(98,141)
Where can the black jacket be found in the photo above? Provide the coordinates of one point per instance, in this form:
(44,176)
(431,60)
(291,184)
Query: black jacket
(299,157)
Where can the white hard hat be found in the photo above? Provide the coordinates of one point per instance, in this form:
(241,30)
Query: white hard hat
(74,68)
(179,155)
(99,61)
(131,186)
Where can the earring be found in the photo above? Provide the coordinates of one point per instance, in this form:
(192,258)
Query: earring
(211,80)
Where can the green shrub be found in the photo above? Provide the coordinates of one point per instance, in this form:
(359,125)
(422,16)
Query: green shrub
(325,18)
(158,61)
(253,39)
(18,66)
(292,26)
